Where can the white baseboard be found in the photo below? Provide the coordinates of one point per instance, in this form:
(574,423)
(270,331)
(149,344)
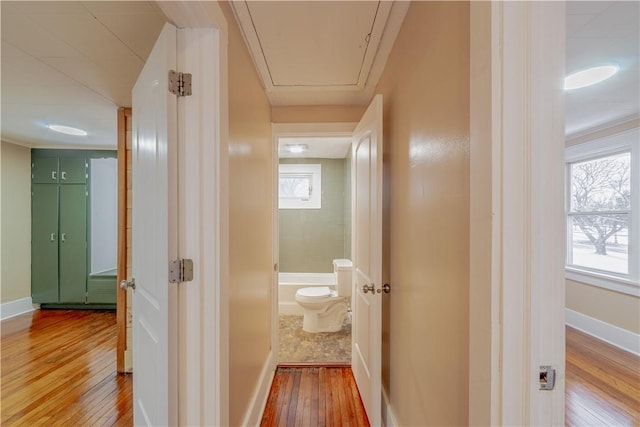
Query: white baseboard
(253,416)
(614,335)
(388,419)
(290,309)
(16,307)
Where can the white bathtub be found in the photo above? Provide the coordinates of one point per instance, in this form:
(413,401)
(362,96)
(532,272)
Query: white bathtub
(289,283)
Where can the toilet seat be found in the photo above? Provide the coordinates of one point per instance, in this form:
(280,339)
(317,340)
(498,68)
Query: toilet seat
(315,295)
(315,292)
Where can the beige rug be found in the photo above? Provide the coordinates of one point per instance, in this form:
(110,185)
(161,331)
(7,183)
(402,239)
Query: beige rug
(298,346)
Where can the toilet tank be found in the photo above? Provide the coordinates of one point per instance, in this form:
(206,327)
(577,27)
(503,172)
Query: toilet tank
(342,270)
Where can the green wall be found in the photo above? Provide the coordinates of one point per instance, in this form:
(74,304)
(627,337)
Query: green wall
(310,239)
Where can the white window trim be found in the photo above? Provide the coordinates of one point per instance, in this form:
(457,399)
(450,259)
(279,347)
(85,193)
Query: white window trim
(315,201)
(605,281)
(609,145)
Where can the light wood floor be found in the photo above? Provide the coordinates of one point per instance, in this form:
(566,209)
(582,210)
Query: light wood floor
(59,368)
(314,396)
(602,383)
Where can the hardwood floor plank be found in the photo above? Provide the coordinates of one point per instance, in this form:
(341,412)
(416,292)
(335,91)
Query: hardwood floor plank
(58,367)
(322,401)
(315,404)
(285,400)
(293,402)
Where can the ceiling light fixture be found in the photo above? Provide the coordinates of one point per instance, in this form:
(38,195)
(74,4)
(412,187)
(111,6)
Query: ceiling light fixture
(589,77)
(68,130)
(296,148)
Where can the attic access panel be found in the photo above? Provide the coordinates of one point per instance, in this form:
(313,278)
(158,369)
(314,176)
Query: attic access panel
(313,44)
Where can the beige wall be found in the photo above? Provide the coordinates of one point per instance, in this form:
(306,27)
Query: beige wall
(250,228)
(481,311)
(310,239)
(612,307)
(426,95)
(16,222)
(318,114)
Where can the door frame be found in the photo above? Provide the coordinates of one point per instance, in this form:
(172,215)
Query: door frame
(516,212)
(124,118)
(280,130)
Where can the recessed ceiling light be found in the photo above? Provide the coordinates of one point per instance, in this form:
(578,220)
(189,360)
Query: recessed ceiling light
(68,130)
(589,77)
(296,148)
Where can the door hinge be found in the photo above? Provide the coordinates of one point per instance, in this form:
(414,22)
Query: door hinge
(180,270)
(179,83)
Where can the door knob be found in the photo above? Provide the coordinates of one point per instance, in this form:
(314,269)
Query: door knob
(368,288)
(128,284)
(386,288)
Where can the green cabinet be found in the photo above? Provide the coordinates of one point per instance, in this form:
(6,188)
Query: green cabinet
(60,231)
(73,170)
(44,243)
(44,170)
(63,170)
(73,243)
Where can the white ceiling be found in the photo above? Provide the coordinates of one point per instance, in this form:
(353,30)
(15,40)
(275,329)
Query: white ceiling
(74,63)
(320,52)
(71,63)
(601,33)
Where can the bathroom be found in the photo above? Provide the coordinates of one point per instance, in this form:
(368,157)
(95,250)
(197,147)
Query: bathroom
(314,250)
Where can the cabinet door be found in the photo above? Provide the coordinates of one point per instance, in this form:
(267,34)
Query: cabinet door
(73,243)
(73,170)
(44,243)
(44,170)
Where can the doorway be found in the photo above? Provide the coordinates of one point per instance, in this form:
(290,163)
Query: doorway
(312,222)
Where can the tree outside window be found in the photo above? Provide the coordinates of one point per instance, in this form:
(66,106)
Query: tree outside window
(599,213)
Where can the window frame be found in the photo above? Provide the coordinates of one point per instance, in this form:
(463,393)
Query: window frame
(625,141)
(312,169)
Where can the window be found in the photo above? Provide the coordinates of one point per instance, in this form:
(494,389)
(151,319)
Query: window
(300,186)
(602,211)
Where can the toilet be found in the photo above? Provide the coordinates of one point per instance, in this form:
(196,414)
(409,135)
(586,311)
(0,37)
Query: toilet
(325,309)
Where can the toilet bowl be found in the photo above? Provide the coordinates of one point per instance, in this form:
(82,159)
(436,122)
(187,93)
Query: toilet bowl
(325,309)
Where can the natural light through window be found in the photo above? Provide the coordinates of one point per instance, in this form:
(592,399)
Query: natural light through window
(299,186)
(603,211)
(599,216)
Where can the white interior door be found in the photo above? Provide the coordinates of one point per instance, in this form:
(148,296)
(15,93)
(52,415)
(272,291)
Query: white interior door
(154,237)
(367,254)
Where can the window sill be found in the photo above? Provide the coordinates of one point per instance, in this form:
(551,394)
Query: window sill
(611,283)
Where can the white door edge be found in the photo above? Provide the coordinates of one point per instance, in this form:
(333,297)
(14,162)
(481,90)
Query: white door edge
(204,386)
(366,353)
